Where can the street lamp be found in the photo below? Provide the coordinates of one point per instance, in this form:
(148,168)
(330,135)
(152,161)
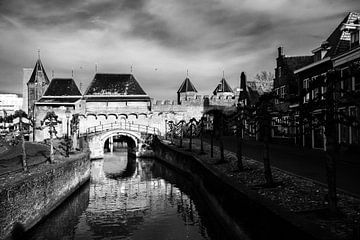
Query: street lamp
(67,114)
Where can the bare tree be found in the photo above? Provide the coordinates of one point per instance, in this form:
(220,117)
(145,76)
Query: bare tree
(263,81)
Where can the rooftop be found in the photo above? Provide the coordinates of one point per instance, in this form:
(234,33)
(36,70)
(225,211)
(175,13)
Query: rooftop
(38,70)
(222,87)
(114,85)
(186,86)
(62,87)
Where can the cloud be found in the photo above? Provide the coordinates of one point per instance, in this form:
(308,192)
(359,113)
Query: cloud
(205,37)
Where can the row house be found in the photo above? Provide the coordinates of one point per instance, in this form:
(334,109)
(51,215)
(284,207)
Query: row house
(285,88)
(339,55)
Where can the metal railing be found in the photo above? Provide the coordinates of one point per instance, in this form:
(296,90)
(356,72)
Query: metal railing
(123,126)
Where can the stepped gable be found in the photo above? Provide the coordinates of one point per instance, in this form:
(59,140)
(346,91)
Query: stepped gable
(38,68)
(114,85)
(223,87)
(339,40)
(187,86)
(62,87)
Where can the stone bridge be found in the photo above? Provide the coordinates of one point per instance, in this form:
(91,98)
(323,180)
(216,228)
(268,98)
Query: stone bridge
(135,135)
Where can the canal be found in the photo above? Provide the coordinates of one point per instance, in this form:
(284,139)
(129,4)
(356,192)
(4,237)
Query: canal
(129,198)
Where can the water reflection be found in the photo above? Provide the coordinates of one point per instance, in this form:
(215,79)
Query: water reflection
(129,198)
(60,224)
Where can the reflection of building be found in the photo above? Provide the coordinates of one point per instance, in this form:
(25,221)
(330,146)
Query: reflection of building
(9,103)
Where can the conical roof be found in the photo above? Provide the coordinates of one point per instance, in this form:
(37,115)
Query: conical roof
(62,87)
(38,68)
(222,87)
(186,86)
(114,84)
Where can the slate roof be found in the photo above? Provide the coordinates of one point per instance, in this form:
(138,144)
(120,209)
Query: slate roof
(296,62)
(62,87)
(187,86)
(339,40)
(38,67)
(222,87)
(114,85)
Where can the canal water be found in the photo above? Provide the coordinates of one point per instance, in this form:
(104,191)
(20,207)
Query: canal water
(129,198)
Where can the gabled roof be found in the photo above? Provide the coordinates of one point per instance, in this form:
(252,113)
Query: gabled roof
(296,62)
(114,84)
(38,68)
(222,87)
(187,86)
(339,40)
(62,87)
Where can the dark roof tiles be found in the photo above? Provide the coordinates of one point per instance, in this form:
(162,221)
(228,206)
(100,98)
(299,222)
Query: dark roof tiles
(187,86)
(339,40)
(39,68)
(222,87)
(114,84)
(62,87)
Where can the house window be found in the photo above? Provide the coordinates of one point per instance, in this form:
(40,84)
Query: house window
(356,82)
(279,72)
(355,39)
(354,130)
(282,92)
(306,83)
(277,94)
(306,86)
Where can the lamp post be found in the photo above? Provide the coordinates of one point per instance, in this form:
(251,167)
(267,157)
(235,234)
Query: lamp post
(67,114)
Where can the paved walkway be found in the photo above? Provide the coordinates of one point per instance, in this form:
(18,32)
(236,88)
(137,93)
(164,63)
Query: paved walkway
(308,163)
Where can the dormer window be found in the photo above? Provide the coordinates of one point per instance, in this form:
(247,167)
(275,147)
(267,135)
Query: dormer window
(355,38)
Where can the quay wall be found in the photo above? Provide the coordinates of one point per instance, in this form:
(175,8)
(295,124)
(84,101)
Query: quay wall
(32,196)
(242,212)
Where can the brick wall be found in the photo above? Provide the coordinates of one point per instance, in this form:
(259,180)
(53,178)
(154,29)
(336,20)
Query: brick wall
(33,196)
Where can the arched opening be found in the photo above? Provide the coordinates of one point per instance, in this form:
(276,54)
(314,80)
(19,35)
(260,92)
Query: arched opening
(120,143)
(119,155)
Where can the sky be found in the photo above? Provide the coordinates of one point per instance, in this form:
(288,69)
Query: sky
(160,39)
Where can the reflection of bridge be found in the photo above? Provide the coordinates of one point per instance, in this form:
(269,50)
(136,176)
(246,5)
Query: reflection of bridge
(134,133)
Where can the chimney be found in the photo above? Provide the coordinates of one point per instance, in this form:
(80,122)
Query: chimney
(280,51)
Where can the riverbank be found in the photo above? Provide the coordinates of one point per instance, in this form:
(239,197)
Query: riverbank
(296,207)
(11,159)
(26,198)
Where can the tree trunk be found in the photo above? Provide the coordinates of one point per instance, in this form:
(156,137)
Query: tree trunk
(51,149)
(190,138)
(212,145)
(266,158)
(23,153)
(239,145)
(331,146)
(221,145)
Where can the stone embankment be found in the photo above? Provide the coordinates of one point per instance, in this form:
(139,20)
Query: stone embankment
(242,210)
(26,198)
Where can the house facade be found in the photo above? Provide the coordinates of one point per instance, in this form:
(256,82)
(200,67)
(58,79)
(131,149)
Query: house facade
(337,57)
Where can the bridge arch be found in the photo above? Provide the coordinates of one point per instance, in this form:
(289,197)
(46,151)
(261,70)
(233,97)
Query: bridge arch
(130,134)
